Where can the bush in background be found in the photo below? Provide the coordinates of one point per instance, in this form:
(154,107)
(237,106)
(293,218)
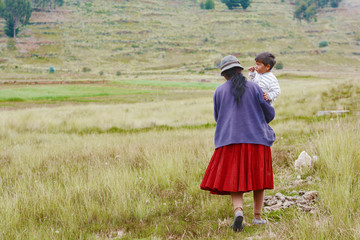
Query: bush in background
(208,4)
(86,69)
(279,65)
(11,44)
(323,44)
(231,4)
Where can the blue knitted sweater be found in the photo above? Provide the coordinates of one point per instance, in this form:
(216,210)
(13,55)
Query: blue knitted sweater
(243,122)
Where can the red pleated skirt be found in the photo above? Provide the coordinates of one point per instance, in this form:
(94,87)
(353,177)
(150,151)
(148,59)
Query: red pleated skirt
(239,168)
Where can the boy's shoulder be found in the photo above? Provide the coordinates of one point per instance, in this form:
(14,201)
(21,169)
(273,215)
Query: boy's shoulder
(269,75)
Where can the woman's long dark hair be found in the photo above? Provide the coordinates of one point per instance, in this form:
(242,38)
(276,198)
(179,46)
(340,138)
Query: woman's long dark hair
(238,82)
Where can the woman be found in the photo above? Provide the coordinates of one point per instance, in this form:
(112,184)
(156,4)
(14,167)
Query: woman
(242,159)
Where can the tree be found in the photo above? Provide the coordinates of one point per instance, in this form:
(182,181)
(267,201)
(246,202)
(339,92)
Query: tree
(300,10)
(245,4)
(307,9)
(209,4)
(310,13)
(334,3)
(15,13)
(231,4)
(321,3)
(9,28)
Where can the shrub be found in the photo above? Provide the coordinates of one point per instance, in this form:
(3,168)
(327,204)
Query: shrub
(231,4)
(11,44)
(334,3)
(86,69)
(209,4)
(101,73)
(279,65)
(118,73)
(323,44)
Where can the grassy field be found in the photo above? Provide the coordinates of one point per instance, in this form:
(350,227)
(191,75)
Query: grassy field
(107,171)
(123,158)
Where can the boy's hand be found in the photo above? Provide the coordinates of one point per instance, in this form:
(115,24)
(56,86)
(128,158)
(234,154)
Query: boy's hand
(251,69)
(266,98)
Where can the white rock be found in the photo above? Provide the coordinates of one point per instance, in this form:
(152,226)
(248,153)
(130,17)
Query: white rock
(287,204)
(303,161)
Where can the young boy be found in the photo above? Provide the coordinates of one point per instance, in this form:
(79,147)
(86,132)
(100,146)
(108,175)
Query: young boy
(261,74)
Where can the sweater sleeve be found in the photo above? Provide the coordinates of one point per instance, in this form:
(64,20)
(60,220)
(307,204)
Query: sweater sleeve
(268,110)
(215,107)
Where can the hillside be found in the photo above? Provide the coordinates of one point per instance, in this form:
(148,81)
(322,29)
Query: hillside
(176,40)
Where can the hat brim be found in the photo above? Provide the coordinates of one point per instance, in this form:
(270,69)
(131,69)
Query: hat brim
(231,66)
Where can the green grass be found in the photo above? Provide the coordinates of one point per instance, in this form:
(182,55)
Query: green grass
(63,93)
(173,84)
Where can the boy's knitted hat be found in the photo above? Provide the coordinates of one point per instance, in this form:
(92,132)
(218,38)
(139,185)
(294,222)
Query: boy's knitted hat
(228,62)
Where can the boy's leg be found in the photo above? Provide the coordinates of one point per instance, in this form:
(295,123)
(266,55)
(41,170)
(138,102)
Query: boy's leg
(258,202)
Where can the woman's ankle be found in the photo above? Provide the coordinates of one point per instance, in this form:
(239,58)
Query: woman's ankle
(257,216)
(238,209)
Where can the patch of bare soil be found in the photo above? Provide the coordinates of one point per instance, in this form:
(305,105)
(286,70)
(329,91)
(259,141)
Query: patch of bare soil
(51,16)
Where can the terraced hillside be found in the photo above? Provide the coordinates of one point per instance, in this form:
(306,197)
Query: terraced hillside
(176,40)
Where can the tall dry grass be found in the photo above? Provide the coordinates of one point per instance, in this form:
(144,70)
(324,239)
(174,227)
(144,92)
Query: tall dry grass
(338,215)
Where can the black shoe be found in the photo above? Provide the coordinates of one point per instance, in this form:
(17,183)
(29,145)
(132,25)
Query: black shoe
(238,224)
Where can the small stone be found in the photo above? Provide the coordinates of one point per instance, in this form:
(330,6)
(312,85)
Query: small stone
(309,196)
(267,209)
(267,198)
(294,192)
(286,204)
(301,193)
(270,202)
(306,208)
(301,201)
(290,198)
(280,197)
(298,182)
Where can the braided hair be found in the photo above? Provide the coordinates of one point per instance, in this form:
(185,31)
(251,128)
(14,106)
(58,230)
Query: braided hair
(238,82)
